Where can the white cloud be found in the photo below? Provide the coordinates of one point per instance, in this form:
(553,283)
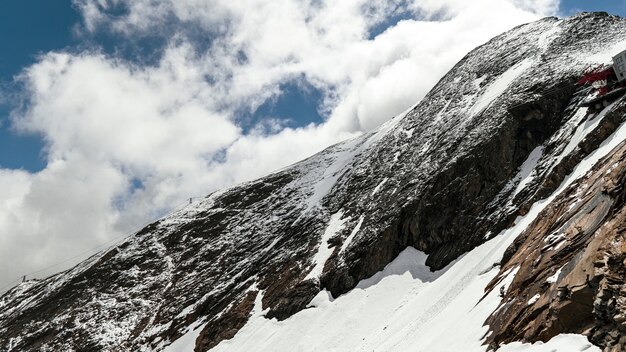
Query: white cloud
(173,126)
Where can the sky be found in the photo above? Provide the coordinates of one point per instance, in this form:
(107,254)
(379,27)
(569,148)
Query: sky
(113,112)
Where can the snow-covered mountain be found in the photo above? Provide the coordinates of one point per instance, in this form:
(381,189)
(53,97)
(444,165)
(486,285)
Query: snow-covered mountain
(489,215)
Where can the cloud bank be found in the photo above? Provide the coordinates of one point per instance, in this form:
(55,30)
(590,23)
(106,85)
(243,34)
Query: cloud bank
(126,140)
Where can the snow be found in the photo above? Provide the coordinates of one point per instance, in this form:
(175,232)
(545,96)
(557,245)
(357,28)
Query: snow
(443,111)
(342,157)
(500,85)
(335,225)
(582,131)
(509,275)
(559,343)
(379,186)
(348,240)
(506,279)
(391,311)
(606,56)
(525,174)
(554,237)
(552,279)
(404,307)
(548,36)
(534,299)
(478,81)
(187,342)
(604,149)
(332,173)
(590,160)
(555,241)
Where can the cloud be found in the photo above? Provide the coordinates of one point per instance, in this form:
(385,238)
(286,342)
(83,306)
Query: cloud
(126,140)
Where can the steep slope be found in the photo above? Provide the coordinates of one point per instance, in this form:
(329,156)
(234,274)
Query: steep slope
(499,133)
(571,262)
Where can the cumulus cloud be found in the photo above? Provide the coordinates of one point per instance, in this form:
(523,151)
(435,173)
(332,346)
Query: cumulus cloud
(126,141)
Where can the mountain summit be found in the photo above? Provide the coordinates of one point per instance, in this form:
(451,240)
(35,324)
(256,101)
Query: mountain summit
(488,215)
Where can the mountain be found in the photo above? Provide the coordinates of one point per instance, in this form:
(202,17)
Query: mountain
(489,215)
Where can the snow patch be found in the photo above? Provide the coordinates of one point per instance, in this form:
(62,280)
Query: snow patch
(582,131)
(478,81)
(335,225)
(525,175)
(552,279)
(187,342)
(352,234)
(342,157)
(442,112)
(500,85)
(507,278)
(534,299)
(380,185)
(548,36)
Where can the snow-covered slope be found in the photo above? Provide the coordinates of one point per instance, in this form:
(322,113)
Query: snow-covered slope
(385,242)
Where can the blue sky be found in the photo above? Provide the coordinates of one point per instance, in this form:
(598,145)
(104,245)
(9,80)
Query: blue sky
(617,7)
(29,28)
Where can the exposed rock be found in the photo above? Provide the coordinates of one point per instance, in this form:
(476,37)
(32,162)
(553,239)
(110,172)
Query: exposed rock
(226,326)
(572,258)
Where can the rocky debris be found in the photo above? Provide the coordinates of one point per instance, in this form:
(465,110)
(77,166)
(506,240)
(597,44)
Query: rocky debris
(443,177)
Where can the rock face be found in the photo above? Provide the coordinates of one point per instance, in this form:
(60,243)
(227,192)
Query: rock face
(571,264)
(498,133)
